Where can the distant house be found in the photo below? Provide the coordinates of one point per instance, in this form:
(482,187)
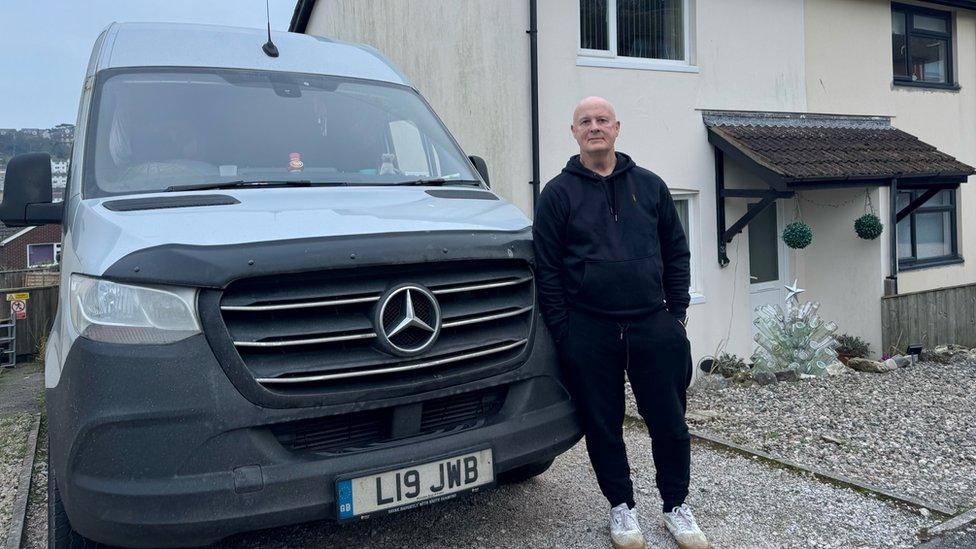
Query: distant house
(59,172)
(29,247)
(63,132)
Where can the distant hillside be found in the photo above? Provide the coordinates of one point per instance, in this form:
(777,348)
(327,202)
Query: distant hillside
(55,141)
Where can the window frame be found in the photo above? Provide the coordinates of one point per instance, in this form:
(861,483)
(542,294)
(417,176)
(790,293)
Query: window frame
(913,262)
(694,241)
(609,58)
(55,249)
(909,11)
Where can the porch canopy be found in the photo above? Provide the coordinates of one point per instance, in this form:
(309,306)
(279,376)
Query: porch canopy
(800,151)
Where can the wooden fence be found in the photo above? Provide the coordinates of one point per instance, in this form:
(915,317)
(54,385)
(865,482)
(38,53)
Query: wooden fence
(931,317)
(24,278)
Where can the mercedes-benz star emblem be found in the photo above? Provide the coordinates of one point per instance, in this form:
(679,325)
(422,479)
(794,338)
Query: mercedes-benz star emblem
(408,320)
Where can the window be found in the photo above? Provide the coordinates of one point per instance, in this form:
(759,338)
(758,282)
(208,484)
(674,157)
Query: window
(921,46)
(927,237)
(157,128)
(39,255)
(649,32)
(686,203)
(764,247)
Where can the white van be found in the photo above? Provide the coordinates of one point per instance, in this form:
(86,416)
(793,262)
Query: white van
(287,295)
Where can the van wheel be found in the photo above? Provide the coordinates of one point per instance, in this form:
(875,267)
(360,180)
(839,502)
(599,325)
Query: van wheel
(59,532)
(525,472)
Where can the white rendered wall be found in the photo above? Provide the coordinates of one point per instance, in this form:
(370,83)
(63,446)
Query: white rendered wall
(840,270)
(848,66)
(472,62)
(469,59)
(828,56)
(744,63)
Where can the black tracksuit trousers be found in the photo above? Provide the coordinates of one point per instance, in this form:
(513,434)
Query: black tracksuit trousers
(656,355)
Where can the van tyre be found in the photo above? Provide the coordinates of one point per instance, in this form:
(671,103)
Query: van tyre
(525,472)
(59,532)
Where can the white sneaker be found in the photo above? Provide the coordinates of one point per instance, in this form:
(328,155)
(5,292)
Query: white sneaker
(681,523)
(625,532)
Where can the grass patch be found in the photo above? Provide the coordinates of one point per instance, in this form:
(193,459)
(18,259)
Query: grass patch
(38,496)
(14,432)
(13,435)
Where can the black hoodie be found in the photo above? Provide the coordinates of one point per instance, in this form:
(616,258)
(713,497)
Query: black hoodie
(609,246)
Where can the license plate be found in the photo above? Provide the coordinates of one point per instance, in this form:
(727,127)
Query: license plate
(414,486)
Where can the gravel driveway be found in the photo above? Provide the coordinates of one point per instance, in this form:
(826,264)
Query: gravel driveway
(740,503)
(20,388)
(911,430)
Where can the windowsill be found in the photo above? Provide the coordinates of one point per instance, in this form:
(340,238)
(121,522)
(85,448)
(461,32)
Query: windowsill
(926,85)
(633,63)
(697,298)
(927,263)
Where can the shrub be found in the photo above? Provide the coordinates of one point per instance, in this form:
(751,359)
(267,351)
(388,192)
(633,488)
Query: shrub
(852,346)
(728,364)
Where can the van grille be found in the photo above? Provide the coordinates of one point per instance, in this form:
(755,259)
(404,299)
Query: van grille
(361,431)
(294,332)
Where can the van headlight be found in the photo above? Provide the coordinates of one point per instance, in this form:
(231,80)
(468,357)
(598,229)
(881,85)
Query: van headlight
(122,313)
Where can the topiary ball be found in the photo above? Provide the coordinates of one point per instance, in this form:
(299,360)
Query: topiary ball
(868,227)
(797,235)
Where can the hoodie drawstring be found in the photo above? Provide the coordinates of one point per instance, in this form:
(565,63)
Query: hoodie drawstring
(625,337)
(613,199)
(611,195)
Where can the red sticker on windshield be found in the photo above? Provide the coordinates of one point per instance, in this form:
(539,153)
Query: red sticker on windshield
(295,164)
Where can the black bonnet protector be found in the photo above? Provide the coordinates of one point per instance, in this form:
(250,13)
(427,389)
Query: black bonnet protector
(218,266)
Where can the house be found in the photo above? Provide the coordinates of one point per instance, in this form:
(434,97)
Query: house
(755,112)
(64,133)
(59,172)
(29,247)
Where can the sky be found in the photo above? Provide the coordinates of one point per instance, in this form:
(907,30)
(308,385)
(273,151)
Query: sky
(45,46)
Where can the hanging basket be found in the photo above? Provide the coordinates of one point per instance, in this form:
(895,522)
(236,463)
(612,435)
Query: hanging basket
(868,227)
(797,235)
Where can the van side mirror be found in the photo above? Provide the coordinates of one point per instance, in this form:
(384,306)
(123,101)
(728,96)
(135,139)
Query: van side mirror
(27,192)
(479,164)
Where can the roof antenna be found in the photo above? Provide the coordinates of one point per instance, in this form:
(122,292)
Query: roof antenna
(269,48)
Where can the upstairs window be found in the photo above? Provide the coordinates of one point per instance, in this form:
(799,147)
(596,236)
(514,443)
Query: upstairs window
(921,46)
(635,29)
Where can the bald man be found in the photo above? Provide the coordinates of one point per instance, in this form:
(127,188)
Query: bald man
(612,273)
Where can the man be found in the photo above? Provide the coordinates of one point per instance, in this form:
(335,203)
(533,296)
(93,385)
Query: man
(612,277)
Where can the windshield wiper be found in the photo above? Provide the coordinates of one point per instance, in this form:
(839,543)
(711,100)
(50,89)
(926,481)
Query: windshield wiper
(241,184)
(436,182)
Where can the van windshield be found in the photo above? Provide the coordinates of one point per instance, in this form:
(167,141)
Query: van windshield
(159,129)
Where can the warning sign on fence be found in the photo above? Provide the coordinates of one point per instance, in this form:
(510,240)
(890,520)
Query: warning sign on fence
(18,309)
(23,296)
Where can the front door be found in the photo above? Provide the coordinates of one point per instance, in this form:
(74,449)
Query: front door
(767,259)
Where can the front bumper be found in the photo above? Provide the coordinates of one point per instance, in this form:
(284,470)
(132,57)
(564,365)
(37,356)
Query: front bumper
(154,446)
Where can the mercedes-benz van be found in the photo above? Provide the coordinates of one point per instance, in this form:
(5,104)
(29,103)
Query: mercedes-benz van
(286,295)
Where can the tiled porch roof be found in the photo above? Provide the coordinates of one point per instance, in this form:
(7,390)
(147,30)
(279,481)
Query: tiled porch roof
(808,147)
